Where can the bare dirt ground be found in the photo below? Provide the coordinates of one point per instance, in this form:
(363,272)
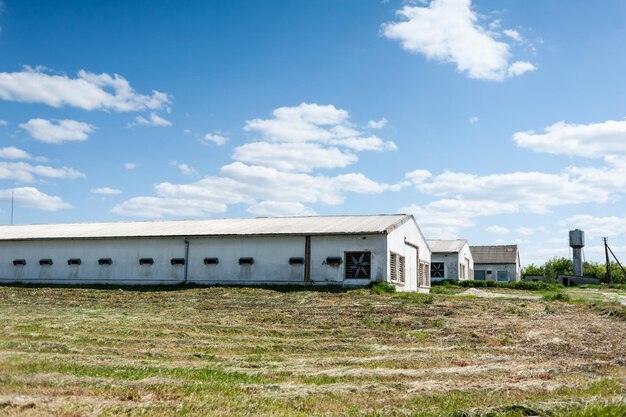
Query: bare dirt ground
(252,351)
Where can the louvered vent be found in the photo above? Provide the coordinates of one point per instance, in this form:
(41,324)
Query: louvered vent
(358,265)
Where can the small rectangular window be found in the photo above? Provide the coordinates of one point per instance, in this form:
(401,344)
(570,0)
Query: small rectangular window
(178,261)
(19,262)
(211,261)
(146,261)
(105,261)
(334,260)
(296,261)
(246,261)
(46,262)
(74,261)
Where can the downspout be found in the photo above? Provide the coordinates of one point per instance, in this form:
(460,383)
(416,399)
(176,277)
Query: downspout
(186,269)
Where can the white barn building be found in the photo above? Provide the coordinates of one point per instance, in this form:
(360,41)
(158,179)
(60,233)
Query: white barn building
(497,263)
(348,251)
(451,260)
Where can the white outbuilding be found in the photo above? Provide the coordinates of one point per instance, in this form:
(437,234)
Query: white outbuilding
(451,260)
(348,251)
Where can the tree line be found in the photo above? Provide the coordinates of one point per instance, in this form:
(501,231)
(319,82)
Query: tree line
(555,266)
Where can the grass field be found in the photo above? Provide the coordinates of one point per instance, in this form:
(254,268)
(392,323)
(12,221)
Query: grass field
(257,352)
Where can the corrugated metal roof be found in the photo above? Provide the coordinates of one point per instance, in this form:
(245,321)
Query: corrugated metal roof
(313,225)
(504,254)
(446,246)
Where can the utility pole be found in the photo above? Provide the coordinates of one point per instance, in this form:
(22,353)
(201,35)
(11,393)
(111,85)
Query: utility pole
(609,279)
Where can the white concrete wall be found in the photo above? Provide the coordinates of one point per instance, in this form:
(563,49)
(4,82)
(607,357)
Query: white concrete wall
(271,260)
(323,247)
(465,256)
(512,269)
(409,232)
(450,265)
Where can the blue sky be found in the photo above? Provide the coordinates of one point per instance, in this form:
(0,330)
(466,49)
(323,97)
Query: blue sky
(494,121)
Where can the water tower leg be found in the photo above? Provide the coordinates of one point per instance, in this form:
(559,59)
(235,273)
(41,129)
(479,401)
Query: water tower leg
(578,262)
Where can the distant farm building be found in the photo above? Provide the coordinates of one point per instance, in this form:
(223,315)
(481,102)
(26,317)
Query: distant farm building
(349,251)
(496,263)
(451,260)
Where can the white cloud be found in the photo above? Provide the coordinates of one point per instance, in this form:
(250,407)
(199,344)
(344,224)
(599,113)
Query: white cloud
(280,208)
(497,229)
(11,152)
(513,34)
(596,227)
(24,172)
(443,219)
(87,91)
(321,129)
(590,140)
(57,131)
(3,122)
(32,197)
(449,31)
(214,138)
(418,176)
(239,183)
(153,120)
(377,124)
(130,165)
(302,157)
(529,231)
(185,169)
(106,191)
(474,120)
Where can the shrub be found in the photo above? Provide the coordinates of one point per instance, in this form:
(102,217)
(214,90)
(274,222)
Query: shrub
(559,296)
(383,288)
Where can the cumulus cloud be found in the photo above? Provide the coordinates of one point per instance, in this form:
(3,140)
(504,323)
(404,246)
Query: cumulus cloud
(27,173)
(214,138)
(11,152)
(324,130)
(280,208)
(106,191)
(449,31)
(500,230)
(130,165)
(88,91)
(513,34)
(293,156)
(586,140)
(152,120)
(57,131)
(32,197)
(597,226)
(239,183)
(185,169)
(474,120)
(377,124)
(3,122)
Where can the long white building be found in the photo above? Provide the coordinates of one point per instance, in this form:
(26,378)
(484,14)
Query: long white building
(338,250)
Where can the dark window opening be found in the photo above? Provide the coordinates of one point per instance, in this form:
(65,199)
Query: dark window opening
(105,261)
(437,270)
(296,261)
(146,261)
(211,261)
(45,262)
(178,261)
(358,265)
(489,272)
(246,261)
(73,261)
(334,260)
(19,262)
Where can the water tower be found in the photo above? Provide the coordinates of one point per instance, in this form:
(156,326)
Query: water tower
(577,242)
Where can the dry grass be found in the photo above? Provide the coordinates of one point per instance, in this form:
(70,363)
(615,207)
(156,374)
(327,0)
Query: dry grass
(251,351)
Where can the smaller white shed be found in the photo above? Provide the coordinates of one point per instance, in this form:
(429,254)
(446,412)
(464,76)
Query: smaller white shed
(451,260)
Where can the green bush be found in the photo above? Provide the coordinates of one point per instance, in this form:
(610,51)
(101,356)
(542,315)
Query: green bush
(559,296)
(383,288)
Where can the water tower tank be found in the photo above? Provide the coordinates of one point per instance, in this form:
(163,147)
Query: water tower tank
(576,238)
